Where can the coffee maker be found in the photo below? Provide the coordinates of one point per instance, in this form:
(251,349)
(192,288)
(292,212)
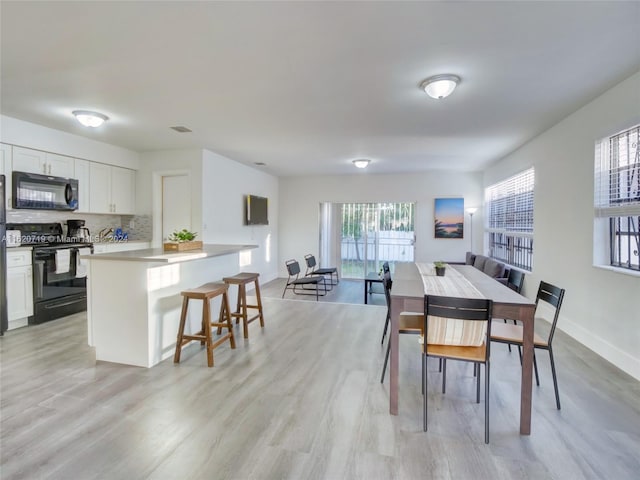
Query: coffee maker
(77,232)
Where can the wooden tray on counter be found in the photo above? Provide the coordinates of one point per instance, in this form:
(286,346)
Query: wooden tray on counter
(182,246)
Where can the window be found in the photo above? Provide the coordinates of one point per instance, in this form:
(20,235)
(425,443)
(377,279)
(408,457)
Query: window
(617,198)
(509,214)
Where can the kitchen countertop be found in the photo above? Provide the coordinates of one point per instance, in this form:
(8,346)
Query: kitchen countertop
(158,255)
(119,242)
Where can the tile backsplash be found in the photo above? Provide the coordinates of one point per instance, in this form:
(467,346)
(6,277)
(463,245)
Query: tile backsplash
(139,227)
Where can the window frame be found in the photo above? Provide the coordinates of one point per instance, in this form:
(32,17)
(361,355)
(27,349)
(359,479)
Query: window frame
(615,206)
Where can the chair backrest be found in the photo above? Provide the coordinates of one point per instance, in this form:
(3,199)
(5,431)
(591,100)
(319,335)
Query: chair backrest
(515,280)
(292,267)
(553,296)
(311,261)
(456,308)
(386,282)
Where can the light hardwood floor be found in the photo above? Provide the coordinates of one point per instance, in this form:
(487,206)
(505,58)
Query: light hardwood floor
(302,399)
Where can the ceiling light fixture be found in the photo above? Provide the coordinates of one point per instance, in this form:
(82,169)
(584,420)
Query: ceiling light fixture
(440,86)
(361,163)
(90,119)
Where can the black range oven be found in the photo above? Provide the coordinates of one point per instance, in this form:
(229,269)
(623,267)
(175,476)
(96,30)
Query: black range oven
(59,275)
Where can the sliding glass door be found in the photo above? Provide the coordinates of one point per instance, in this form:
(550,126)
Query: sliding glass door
(374,233)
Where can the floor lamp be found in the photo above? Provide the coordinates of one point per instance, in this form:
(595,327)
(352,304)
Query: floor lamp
(471,211)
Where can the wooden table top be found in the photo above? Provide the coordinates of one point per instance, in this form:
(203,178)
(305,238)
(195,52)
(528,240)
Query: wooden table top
(407,283)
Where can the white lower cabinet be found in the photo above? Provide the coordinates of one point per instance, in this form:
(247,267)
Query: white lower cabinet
(19,287)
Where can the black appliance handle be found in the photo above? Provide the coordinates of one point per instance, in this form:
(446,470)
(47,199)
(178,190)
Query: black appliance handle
(68,193)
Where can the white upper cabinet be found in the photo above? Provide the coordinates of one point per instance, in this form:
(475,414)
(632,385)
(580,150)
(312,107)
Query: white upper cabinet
(112,189)
(81,173)
(123,187)
(44,163)
(100,185)
(60,166)
(5,169)
(27,160)
(101,188)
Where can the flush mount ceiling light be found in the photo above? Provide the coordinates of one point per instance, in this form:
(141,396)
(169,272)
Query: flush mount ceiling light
(361,162)
(90,119)
(440,86)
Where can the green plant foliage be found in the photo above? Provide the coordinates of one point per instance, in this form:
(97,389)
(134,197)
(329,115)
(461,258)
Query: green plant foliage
(183,235)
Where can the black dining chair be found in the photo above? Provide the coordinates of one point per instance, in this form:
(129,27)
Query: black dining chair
(387,284)
(515,281)
(513,334)
(386,274)
(470,347)
(408,322)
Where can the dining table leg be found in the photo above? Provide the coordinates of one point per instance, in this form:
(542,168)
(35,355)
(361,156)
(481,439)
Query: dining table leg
(366,283)
(527,315)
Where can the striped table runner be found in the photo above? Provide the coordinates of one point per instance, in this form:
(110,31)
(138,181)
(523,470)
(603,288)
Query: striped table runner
(447,331)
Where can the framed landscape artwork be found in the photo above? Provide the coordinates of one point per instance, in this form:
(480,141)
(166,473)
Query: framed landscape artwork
(449,218)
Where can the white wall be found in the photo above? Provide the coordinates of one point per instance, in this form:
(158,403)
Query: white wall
(153,165)
(218,186)
(225,183)
(300,199)
(601,307)
(30,135)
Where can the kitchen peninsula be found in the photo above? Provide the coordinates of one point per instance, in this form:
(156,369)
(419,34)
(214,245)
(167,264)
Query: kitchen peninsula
(134,301)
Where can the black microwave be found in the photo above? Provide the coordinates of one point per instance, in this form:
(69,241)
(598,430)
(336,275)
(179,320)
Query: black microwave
(44,192)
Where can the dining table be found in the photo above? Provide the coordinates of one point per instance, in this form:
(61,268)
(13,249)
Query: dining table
(413,280)
(371,279)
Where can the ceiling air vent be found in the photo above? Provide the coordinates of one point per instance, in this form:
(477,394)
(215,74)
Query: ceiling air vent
(181,129)
(260,164)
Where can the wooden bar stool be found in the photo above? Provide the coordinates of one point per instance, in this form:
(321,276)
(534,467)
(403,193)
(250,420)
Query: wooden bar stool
(242,279)
(205,293)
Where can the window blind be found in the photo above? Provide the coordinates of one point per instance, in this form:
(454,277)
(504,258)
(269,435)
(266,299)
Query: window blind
(617,175)
(509,204)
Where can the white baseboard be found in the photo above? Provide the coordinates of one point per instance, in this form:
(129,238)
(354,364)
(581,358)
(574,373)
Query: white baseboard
(623,360)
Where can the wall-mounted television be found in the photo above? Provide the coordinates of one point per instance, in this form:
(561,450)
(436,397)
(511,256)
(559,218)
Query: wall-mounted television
(257,210)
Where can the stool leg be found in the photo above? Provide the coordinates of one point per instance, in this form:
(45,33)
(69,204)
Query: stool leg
(239,303)
(206,328)
(242,293)
(259,302)
(221,316)
(202,332)
(225,313)
(183,319)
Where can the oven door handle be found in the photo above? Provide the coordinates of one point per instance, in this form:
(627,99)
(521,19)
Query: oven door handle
(38,279)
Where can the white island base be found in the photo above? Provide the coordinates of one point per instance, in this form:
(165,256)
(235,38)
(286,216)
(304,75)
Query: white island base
(134,301)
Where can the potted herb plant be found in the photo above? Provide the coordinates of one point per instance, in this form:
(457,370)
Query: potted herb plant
(183,235)
(182,240)
(440,268)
